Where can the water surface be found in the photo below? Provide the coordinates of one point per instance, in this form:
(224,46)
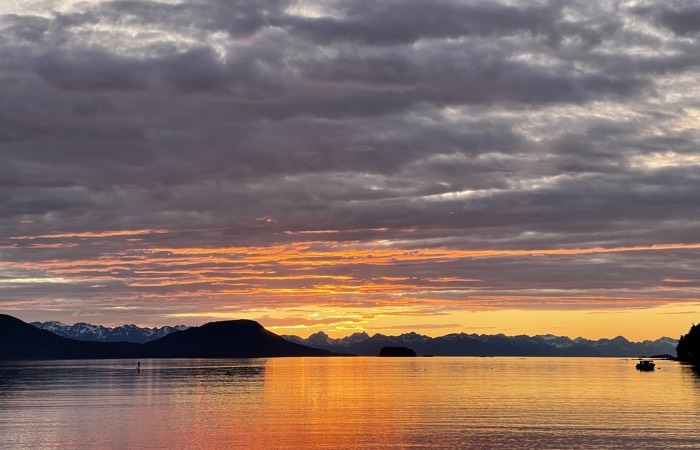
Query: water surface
(336,403)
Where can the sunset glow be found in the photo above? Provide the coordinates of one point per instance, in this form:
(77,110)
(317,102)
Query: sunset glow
(504,167)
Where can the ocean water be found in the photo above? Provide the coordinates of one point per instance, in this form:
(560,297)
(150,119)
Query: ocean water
(348,403)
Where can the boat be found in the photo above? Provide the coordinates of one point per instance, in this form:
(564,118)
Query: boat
(645,365)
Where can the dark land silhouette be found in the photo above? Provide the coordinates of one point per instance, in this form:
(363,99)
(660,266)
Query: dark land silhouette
(245,338)
(396,351)
(20,340)
(688,348)
(227,339)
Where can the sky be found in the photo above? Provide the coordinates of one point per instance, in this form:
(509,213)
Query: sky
(517,167)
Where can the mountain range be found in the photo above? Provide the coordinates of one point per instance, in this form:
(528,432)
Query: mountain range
(462,344)
(226,339)
(457,344)
(87,332)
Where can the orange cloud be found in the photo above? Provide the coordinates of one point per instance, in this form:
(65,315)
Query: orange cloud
(206,281)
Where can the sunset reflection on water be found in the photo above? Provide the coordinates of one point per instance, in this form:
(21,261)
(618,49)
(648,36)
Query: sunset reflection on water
(311,403)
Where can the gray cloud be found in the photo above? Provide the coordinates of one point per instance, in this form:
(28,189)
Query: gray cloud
(681,17)
(401,22)
(407,125)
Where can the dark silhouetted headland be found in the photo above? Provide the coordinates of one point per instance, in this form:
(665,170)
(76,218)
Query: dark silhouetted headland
(228,339)
(688,348)
(20,340)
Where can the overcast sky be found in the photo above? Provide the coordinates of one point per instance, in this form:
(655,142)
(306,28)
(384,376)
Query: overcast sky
(350,164)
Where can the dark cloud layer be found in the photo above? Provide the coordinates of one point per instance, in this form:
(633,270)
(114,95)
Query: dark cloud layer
(132,129)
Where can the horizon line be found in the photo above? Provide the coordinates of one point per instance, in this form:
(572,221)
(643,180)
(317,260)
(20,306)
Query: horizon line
(369,333)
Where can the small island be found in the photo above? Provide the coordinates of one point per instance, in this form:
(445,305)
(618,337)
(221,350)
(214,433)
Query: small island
(396,351)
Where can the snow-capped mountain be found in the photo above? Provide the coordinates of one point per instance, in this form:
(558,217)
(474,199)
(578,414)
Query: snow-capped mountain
(462,344)
(321,339)
(88,332)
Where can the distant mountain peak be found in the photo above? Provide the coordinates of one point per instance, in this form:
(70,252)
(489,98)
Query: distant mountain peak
(360,334)
(412,334)
(319,334)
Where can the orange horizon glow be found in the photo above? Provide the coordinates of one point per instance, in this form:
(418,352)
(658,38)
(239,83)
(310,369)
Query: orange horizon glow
(274,281)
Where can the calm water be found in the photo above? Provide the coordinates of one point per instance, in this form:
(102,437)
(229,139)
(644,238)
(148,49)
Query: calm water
(343,403)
